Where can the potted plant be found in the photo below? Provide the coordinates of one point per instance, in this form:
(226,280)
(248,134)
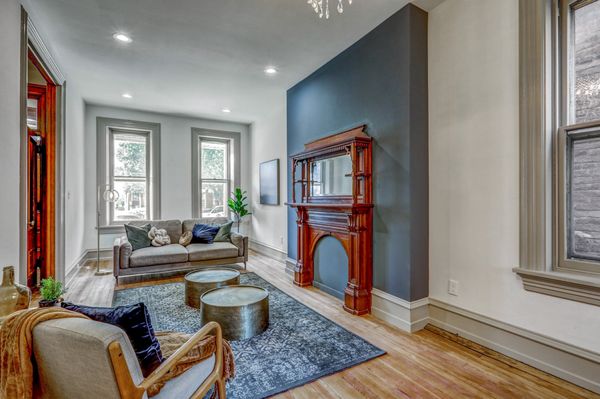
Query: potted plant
(51,291)
(238,205)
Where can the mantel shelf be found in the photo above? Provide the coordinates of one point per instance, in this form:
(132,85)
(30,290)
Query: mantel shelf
(327,205)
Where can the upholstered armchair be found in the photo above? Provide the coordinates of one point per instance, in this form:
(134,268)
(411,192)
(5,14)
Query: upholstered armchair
(80,358)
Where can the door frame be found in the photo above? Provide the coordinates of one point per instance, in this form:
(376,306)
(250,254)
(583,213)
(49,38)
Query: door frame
(32,41)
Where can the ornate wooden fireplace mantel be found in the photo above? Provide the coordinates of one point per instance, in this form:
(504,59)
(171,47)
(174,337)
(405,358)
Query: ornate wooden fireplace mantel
(335,199)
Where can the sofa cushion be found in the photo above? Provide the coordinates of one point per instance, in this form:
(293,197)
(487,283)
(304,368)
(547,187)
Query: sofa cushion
(172,253)
(216,250)
(173,227)
(188,224)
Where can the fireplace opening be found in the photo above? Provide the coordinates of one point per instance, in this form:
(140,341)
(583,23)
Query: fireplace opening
(330,266)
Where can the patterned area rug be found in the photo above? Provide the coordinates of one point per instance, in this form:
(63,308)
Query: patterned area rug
(299,346)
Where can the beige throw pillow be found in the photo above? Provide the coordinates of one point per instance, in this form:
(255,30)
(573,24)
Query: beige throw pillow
(186,238)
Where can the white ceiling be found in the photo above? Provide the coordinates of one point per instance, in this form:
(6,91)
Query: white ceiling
(195,57)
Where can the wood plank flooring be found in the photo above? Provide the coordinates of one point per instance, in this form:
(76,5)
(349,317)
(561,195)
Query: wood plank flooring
(428,364)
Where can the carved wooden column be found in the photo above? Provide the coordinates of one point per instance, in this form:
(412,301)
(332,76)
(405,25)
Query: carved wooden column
(348,217)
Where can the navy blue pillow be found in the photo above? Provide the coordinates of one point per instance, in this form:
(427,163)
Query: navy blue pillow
(135,321)
(204,233)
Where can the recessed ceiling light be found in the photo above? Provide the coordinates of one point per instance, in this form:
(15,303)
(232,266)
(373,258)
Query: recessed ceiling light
(226,110)
(270,70)
(126,95)
(122,37)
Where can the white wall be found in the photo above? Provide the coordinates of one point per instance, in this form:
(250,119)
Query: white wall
(10,39)
(269,141)
(176,162)
(474,173)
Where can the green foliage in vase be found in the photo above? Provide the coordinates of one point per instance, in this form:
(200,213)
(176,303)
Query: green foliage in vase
(51,289)
(238,205)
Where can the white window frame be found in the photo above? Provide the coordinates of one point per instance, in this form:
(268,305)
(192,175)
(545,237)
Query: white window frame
(232,139)
(107,128)
(544,117)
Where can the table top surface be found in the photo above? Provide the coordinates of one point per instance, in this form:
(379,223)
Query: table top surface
(213,275)
(234,295)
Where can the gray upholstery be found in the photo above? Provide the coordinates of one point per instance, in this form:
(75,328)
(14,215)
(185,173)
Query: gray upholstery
(173,253)
(73,362)
(184,385)
(216,250)
(173,227)
(188,224)
(175,259)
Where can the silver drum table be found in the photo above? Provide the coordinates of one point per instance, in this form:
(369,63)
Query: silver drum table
(241,310)
(202,280)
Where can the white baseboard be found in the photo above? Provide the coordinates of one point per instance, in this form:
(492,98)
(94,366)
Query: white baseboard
(408,316)
(566,361)
(87,254)
(267,250)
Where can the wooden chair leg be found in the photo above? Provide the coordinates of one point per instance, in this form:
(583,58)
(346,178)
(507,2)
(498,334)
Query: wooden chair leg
(220,384)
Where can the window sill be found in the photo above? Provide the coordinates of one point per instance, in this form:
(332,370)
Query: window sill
(113,229)
(576,287)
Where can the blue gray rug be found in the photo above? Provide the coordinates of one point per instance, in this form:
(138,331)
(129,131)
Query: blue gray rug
(299,346)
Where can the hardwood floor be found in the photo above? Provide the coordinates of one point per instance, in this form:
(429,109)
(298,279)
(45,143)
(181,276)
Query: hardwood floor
(428,364)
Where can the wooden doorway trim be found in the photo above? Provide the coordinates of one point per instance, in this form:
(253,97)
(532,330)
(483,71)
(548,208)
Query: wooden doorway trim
(31,41)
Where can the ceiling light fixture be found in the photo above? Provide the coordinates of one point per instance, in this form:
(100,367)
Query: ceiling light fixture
(226,110)
(270,70)
(321,7)
(121,37)
(126,95)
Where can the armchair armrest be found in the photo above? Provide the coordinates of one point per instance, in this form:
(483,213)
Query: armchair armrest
(241,242)
(129,390)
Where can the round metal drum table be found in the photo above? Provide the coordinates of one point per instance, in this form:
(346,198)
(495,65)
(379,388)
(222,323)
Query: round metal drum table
(202,280)
(241,310)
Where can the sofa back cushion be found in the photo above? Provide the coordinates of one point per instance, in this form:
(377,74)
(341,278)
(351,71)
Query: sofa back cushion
(188,224)
(173,227)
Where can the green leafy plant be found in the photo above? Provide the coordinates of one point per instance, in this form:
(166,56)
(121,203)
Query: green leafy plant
(51,289)
(238,205)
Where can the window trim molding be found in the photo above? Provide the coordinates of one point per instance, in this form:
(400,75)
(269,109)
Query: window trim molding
(541,111)
(235,148)
(104,127)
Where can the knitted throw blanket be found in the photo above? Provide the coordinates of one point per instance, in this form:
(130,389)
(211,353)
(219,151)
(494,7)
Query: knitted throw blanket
(16,368)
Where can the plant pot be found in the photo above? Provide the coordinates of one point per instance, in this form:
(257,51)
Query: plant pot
(44,303)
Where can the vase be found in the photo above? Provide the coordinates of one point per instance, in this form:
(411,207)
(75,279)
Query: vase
(13,296)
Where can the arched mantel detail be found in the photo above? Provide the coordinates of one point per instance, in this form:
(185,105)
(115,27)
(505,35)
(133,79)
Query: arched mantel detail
(348,218)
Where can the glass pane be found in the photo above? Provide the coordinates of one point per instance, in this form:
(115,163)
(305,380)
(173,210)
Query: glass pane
(332,176)
(585,199)
(32,113)
(132,201)
(586,56)
(214,199)
(129,151)
(214,158)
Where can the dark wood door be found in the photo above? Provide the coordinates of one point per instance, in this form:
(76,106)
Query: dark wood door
(35,227)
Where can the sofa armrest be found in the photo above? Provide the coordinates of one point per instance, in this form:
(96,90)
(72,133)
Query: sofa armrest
(122,250)
(241,242)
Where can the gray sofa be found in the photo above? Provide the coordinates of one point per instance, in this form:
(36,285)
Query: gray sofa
(173,259)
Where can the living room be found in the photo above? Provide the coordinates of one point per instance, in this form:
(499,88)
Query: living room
(338,199)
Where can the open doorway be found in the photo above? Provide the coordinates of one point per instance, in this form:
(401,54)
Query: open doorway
(41,172)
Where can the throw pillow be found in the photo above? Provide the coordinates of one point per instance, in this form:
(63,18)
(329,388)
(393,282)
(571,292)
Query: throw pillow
(204,234)
(159,237)
(186,238)
(135,321)
(138,236)
(224,232)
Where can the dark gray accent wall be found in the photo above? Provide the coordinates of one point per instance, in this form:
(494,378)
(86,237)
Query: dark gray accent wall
(380,81)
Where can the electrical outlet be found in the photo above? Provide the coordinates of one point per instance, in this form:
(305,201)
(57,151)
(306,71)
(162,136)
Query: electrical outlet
(452,287)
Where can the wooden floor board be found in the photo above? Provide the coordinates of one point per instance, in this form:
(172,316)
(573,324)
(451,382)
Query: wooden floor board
(431,363)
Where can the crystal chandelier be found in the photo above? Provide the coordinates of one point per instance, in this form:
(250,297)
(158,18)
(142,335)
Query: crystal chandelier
(321,7)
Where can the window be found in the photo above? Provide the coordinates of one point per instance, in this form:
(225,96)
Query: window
(559,66)
(215,171)
(214,177)
(128,163)
(129,176)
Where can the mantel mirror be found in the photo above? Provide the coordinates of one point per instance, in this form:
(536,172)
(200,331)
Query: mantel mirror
(331,176)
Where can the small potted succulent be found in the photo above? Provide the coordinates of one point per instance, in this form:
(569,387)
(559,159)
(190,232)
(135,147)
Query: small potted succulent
(51,291)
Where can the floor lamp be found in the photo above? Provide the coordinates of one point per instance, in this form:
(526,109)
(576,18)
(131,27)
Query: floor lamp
(104,195)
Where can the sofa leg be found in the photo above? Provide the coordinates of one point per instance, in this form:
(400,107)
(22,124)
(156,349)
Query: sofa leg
(244,265)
